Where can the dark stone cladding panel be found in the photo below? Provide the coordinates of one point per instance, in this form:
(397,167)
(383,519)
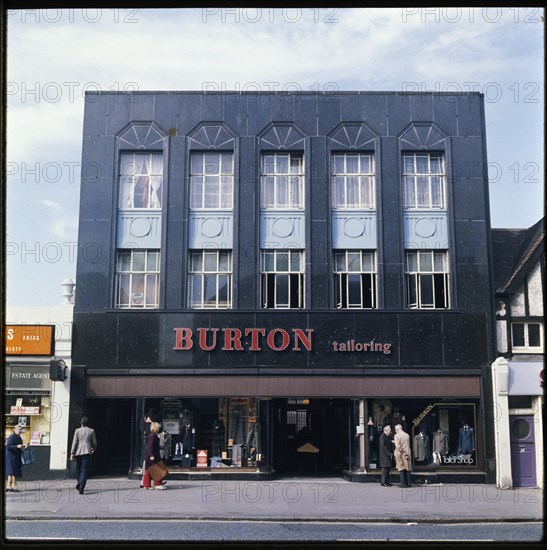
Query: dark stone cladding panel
(434,340)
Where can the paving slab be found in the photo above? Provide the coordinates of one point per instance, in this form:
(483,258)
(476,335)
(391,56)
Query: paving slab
(277,500)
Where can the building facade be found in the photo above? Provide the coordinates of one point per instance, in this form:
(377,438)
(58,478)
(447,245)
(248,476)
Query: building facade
(275,276)
(34,337)
(517,373)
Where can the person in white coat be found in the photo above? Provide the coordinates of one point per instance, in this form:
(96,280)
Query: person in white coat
(403,456)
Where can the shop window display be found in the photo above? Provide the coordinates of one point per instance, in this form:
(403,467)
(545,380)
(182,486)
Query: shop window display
(442,433)
(226,430)
(32,413)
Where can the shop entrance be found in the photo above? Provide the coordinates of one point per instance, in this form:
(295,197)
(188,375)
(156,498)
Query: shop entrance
(310,436)
(113,422)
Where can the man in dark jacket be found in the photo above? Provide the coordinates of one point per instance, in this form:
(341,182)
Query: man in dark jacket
(386,455)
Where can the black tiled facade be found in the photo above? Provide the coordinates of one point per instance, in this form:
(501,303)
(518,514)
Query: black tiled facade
(456,342)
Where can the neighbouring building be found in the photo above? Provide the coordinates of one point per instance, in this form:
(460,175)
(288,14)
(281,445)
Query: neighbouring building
(518,372)
(276,276)
(38,343)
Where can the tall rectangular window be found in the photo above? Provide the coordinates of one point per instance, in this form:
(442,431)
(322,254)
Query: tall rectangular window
(282,279)
(353,180)
(282,181)
(137,278)
(527,337)
(424,181)
(210,279)
(427,279)
(211,181)
(141,180)
(355,279)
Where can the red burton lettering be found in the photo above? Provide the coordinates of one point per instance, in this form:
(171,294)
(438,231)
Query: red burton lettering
(277,339)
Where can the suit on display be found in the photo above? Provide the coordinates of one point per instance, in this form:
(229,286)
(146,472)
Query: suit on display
(187,439)
(467,440)
(398,418)
(440,442)
(218,437)
(440,446)
(253,443)
(421,447)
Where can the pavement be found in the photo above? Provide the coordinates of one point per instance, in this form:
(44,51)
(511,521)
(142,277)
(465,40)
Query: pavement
(288,499)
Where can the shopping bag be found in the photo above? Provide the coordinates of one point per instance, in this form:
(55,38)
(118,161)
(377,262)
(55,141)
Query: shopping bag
(158,471)
(27,456)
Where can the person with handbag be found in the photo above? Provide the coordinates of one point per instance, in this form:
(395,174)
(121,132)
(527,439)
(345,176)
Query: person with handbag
(84,444)
(152,457)
(14,449)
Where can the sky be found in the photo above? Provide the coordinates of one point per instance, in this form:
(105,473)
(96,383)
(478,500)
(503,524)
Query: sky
(55,55)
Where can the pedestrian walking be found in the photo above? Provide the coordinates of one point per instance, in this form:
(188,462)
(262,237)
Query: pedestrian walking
(386,456)
(153,456)
(84,445)
(403,456)
(14,449)
(149,417)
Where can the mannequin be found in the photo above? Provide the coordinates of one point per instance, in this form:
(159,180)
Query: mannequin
(253,442)
(237,424)
(440,442)
(381,416)
(217,437)
(421,447)
(187,438)
(398,418)
(466,440)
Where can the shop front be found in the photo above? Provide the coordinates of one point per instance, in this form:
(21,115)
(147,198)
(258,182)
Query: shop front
(262,394)
(28,391)
(328,426)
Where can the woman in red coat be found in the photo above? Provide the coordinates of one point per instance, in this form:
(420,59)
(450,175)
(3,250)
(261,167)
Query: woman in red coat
(152,456)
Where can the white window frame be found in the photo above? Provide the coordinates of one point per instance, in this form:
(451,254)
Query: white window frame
(527,348)
(139,280)
(294,182)
(277,276)
(416,279)
(365,178)
(211,175)
(412,178)
(209,275)
(355,262)
(132,178)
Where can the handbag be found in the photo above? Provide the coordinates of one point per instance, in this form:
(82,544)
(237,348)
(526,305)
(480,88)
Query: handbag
(27,456)
(158,471)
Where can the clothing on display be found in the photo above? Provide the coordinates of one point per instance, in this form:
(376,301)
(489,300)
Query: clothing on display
(218,437)
(466,440)
(237,424)
(185,443)
(398,418)
(421,447)
(253,443)
(440,442)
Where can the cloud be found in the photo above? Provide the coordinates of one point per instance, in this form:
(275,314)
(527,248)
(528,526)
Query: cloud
(52,205)
(63,228)
(55,55)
